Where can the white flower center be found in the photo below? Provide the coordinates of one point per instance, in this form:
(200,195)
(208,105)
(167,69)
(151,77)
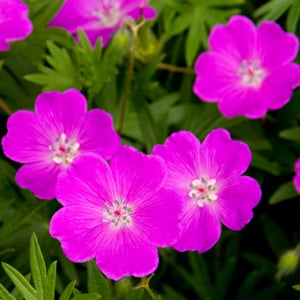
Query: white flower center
(118,214)
(108,13)
(64,150)
(203,191)
(251,73)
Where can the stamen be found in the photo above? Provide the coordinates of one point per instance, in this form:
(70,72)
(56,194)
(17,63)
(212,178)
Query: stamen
(203,191)
(118,214)
(108,14)
(251,73)
(64,150)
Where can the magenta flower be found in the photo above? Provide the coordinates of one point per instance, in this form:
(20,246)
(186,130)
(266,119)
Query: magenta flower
(296,179)
(248,70)
(117,213)
(14,22)
(209,179)
(99,18)
(48,139)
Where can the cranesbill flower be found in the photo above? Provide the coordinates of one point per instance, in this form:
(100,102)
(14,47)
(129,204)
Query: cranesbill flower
(209,179)
(99,18)
(248,70)
(296,179)
(14,22)
(117,213)
(48,140)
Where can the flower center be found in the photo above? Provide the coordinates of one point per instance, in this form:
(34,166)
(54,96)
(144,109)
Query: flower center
(203,191)
(251,73)
(63,150)
(108,13)
(118,214)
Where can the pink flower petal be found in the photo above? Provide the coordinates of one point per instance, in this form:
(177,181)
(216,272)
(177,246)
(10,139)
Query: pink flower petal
(181,154)
(123,253)
(158,220)
(216,74)
(40,178)
(270,36)
(74,14)
(88,181)
(25,141)
(229,40)
(137,176)
(98,122)
(61,112)
(222,157)
(242,101)
(201,229)
(14,22)
(236,200)
(296,178)
(77,227)
(277,88)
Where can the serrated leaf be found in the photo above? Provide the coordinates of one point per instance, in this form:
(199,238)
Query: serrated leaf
(20,282)
(62,74)
(38,267)
(97,282)
(5,294)
(66,294)
(284,192)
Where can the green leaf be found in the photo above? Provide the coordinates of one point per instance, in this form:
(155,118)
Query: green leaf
(5,294)
(292,134)
(293,17)
(51,282)
(259,161)
(271,230)
(284,192)
(20,282)
(66,294)
(87,297)
(178,25)
(197,33)
(224,278)
(62,74)
(42,12)
(137,294)
(97,282)
(273,9)
(296,287)
(247,289)
(38,268)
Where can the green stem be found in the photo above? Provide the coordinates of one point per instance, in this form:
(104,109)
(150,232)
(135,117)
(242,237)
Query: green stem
(150,292)
(129,77)
(5,107)
(173,68)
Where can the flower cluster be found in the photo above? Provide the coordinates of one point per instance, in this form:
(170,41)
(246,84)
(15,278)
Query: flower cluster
(14,22)
(99,18)
(119,212)
(248,70)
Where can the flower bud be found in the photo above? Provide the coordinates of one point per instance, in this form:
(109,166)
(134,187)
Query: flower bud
(287,263)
